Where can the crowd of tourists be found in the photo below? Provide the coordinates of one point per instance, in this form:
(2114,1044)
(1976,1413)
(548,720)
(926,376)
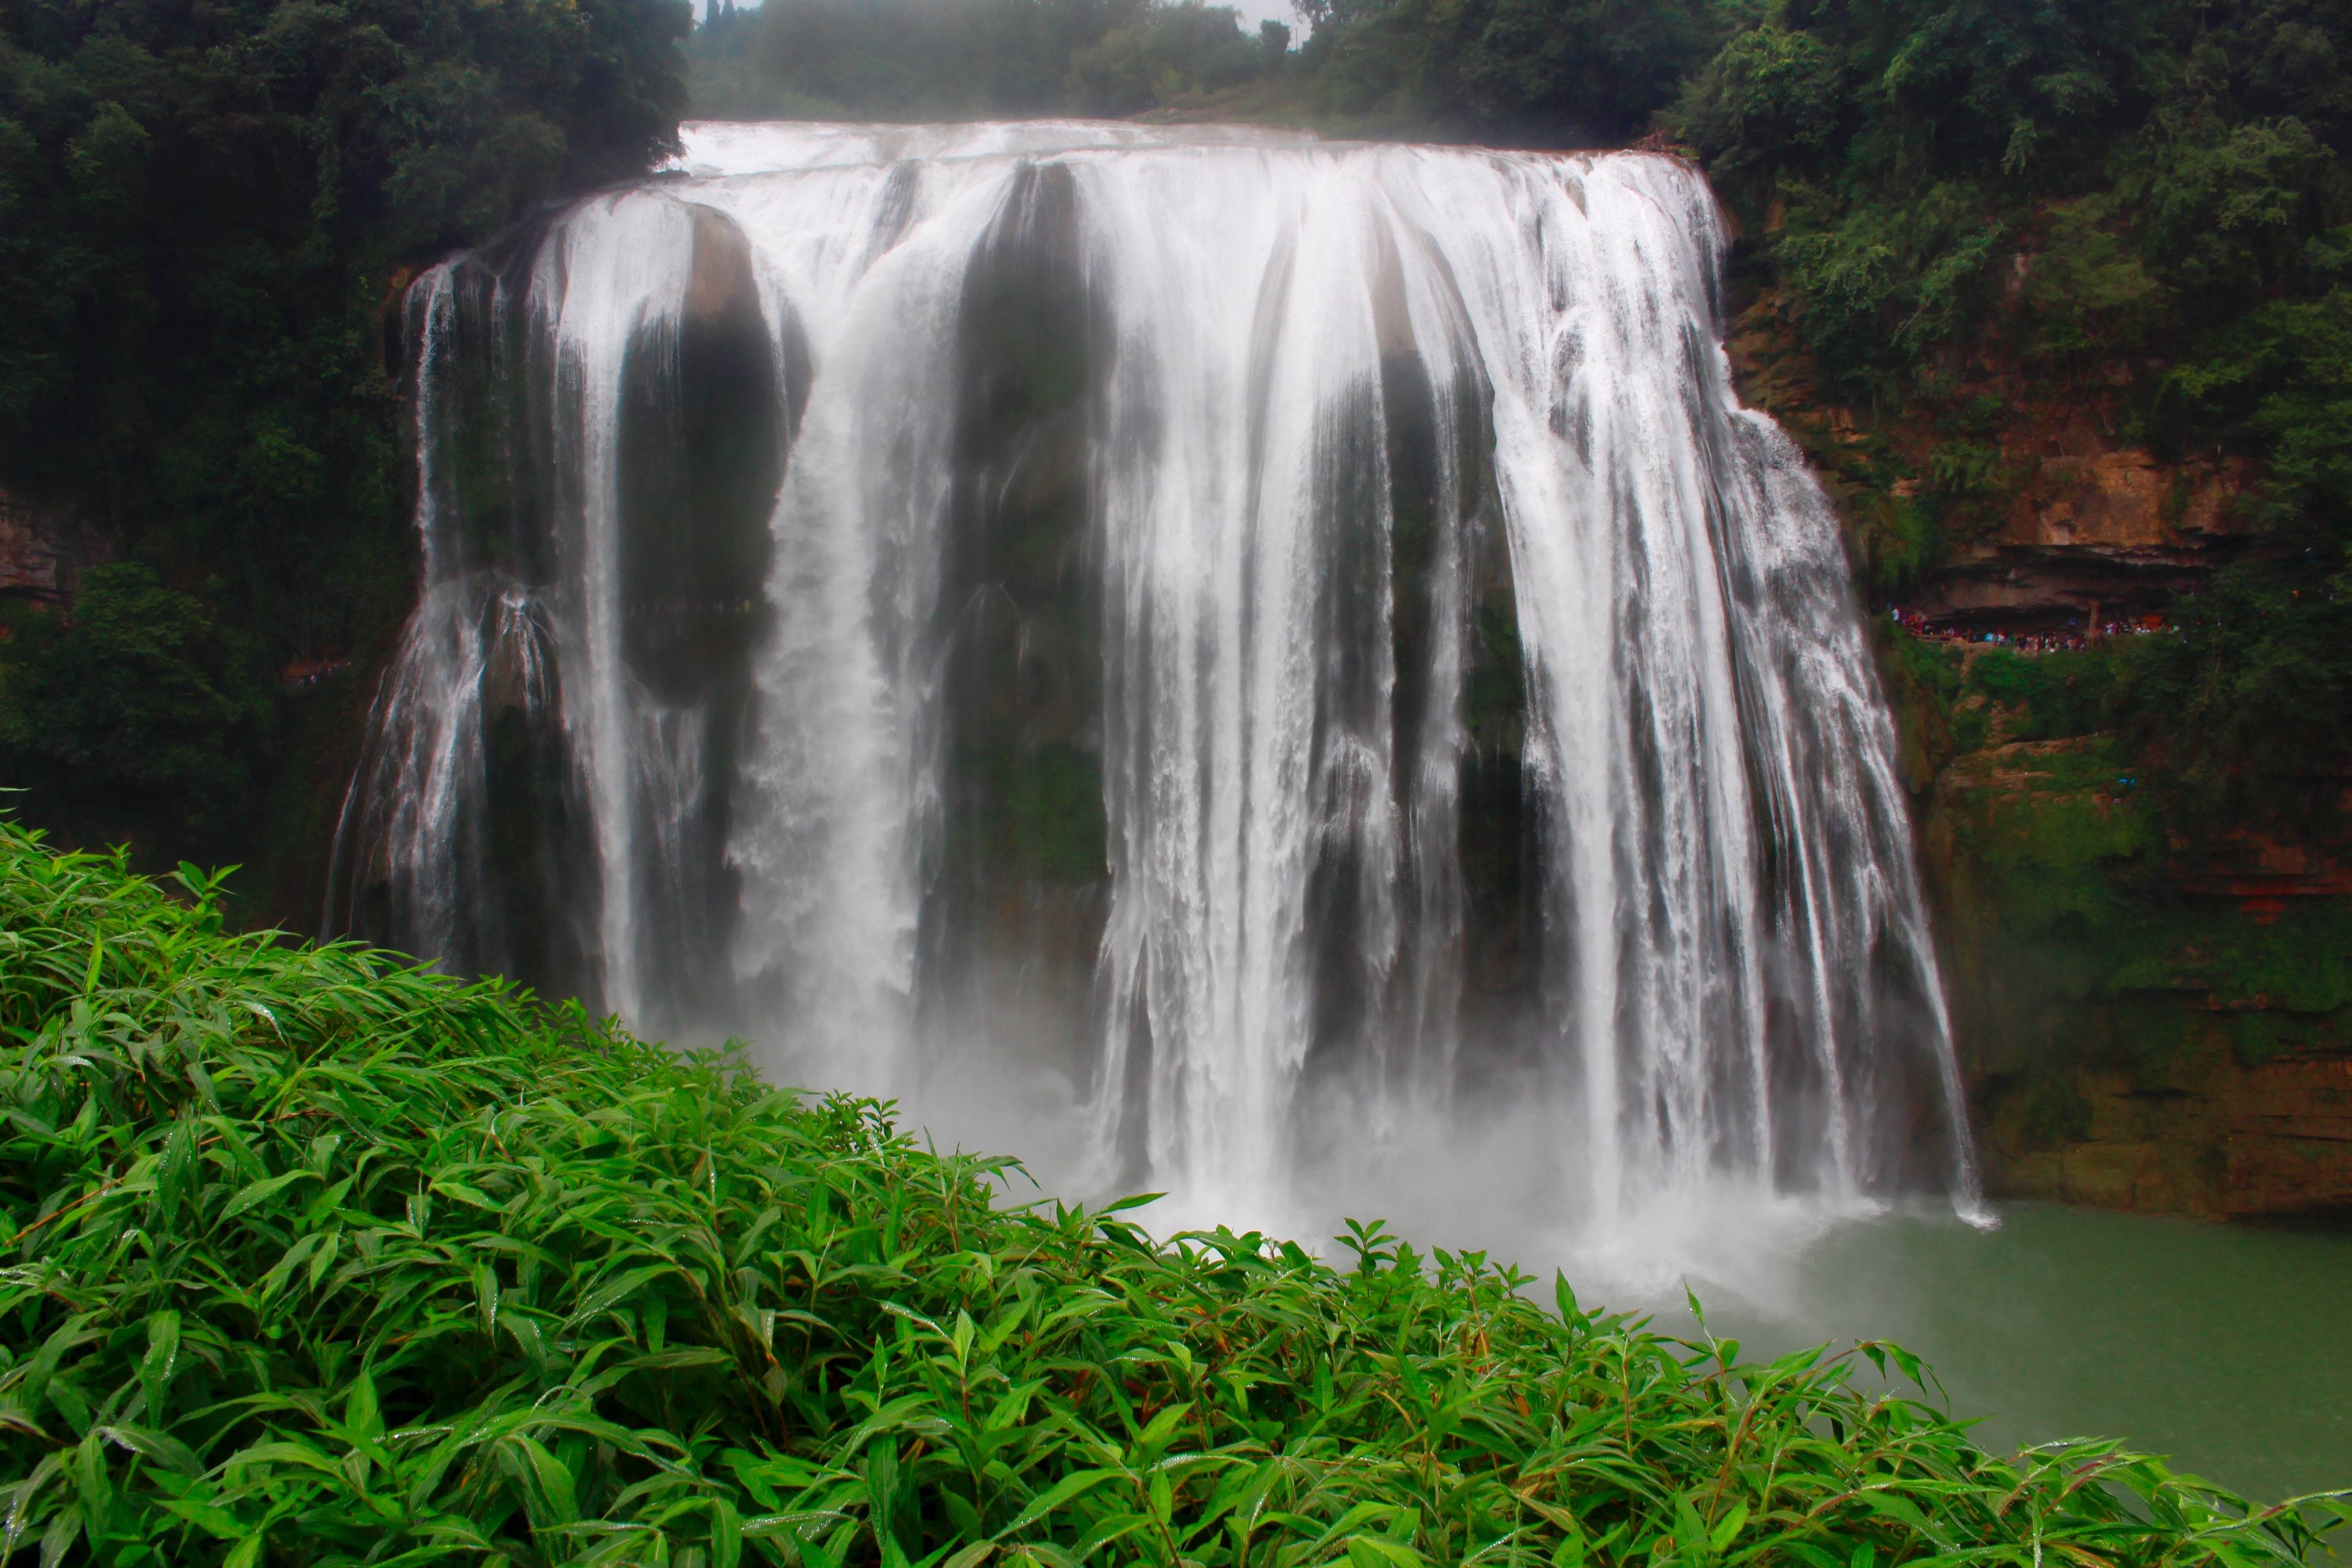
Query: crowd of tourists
(2074,638)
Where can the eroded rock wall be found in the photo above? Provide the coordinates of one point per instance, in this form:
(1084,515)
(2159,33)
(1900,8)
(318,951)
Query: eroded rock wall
(2137,1030)
(2141,1026)
(44,550)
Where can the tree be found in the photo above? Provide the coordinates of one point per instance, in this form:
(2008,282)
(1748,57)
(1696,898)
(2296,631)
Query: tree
(147,698)
(207,208)
(202,203)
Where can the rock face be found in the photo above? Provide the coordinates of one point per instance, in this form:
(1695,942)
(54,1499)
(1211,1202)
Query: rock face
(2093,533)
(2141,1031)
(671,427)
(2136,1030)
(1020,887)
(2212,1136)
(2136,1037)
(44,550)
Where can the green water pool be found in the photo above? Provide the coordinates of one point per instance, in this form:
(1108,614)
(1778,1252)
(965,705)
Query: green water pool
(2229,1349)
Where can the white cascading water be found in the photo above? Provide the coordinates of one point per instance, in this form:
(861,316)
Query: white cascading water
(1731,978)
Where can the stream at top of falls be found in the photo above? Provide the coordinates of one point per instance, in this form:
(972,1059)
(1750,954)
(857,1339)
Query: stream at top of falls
(1271,671)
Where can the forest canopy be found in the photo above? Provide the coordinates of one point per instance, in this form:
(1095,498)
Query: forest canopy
(944,60)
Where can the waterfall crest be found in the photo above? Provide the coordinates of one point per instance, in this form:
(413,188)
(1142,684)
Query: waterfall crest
(1298,638)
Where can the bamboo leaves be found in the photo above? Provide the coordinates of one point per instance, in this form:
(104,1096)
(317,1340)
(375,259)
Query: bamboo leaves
(320,1260)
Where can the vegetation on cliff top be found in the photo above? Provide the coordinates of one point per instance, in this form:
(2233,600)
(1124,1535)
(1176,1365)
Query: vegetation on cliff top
(1986,227)
(317,1258)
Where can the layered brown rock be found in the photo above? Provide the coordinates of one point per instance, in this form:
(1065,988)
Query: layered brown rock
(2094,532)
(44,550)
(2216,1138)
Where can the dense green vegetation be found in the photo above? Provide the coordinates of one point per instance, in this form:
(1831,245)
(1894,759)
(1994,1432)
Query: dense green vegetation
(147,696)
(314,1259)
(203,207)
(1971,232)
(1546,72)
(1985,222)
(946,59)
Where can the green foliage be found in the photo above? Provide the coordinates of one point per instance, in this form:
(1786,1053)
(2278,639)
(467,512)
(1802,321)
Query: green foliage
(2282,376)
(146,696)
(942,59)
(1771,96)
(2052,843)
(1882,286)
(1557,72)
(2155,163)
(2089,294)
(201,209)
(1168,52)
(2226,208)
(1897,540)
(2301,962)
(1934,669)
(2248,707)
(317,1259)
(27,630)
(2046,696)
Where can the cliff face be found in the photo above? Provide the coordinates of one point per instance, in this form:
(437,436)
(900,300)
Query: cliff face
(44,550)
(2092,531)
(2137,1035)
(2011,499)
(2142,1025)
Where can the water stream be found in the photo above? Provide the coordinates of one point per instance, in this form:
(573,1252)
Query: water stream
(1283,651)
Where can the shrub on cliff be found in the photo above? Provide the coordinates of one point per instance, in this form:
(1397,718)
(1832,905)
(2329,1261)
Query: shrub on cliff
(146,696)
(317,1258)
(2247,707)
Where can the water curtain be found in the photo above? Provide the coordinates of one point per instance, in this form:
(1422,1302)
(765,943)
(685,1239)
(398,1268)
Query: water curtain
(1301,635)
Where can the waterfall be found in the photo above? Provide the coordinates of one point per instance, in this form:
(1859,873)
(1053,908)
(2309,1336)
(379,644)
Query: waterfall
(1296,641)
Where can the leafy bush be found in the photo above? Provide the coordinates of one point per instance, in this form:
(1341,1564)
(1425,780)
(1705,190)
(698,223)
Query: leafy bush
(2049,696)
(2088,293)
(147,697)
(1170,51)
(319,1259)
(1770,96)
(2248,706)
(1882,285)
